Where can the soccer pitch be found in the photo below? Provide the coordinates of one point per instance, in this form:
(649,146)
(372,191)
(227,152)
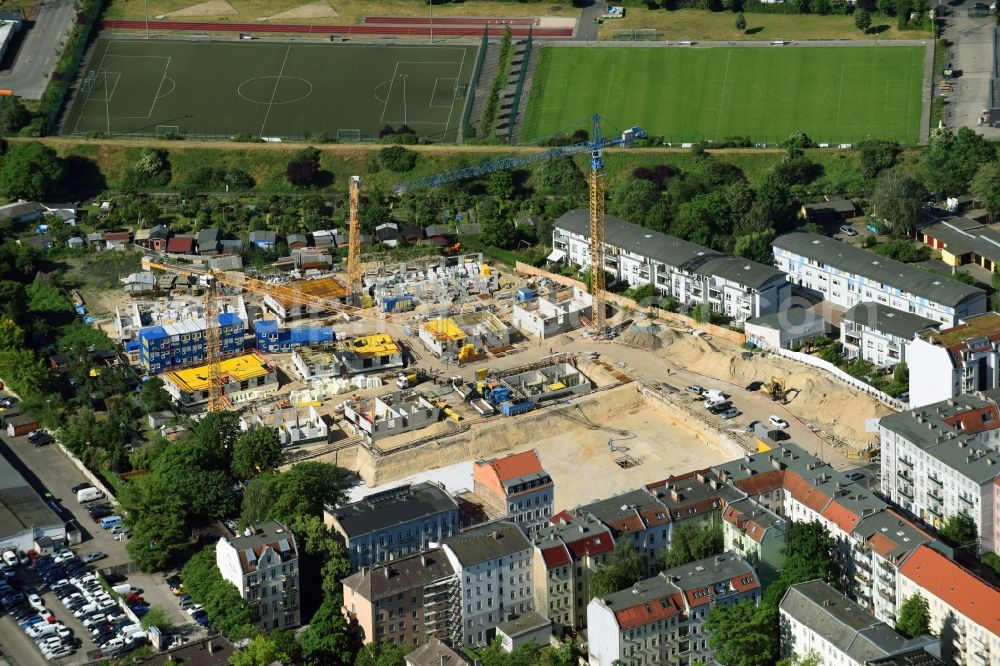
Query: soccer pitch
(834,94)
(212,89)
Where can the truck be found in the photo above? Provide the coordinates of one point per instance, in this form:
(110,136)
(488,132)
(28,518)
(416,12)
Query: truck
(88,495)
(406,380)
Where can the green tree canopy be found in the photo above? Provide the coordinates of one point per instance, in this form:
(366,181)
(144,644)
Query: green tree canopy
(13,115)
(325,641)
(810,553)
(876,156)
(156,517)
(691,541)
(960,530)
(743,634)
(30,171)
(381,654)
(914,617)
(258,450)
(497,228)
(153,396)
(222,601)
(301,491)
(986,187)
(265,649)
(899,200)
(624,568)
(952,159)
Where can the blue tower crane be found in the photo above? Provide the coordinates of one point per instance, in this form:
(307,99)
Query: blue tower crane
(595,147)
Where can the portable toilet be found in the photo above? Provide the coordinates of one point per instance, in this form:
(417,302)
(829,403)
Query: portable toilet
(524,294)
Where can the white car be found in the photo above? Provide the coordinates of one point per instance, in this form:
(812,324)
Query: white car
(36,602)
(10,558)
(191,610)
(777,422)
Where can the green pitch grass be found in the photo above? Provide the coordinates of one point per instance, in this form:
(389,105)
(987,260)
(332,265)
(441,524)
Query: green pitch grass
(835,95)
(288,90)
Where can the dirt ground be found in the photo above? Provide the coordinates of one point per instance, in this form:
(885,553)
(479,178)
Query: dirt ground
(210,8)
(312,10)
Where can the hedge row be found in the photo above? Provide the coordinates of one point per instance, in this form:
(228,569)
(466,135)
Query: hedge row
(499,81)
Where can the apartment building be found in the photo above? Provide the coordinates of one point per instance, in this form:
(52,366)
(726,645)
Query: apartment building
(847,275)
(739,288)
(956,360)
(660,621)
(264,567)
(393,523)
(816,618)
(182,343)
(407,601)
(242,378)
(516,487)
(881,334)
(757,534)
(941,460)
(493,565)
(566,554)
(276,339)
(363,354)
(963,608)
(324,297)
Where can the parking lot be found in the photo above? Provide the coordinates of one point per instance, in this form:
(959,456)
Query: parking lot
(47,468)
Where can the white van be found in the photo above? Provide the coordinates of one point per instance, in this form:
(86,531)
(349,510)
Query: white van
(125,588)
(88,495)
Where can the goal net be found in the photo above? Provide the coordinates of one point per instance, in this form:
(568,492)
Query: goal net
(163,131)
(348,135)
(460,89)
(88,81)
(634,35)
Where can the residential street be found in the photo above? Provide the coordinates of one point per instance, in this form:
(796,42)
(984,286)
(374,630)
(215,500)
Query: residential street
(41,49)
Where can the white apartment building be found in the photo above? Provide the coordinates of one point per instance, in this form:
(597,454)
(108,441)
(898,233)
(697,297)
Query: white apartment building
(493,565)
(956,360)
(659,621)
(739,288)
(815,618)
(264,566)
(881,334)
(964,610)
(941,460)
(847,275)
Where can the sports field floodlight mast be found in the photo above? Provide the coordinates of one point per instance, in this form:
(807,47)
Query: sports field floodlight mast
(595,147)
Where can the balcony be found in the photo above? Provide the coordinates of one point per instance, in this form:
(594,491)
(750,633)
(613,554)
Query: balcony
(852,341)
(891,598)
(935,480)
(905,492)
(967,500)
(934,512)
(864,565)
(907,463)
(934,495)
(885,566)
(905,476)
(861,577)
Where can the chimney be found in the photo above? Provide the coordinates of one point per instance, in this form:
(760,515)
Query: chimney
(386,570)
(423,559)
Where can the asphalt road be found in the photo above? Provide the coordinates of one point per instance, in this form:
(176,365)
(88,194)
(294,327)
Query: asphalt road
(41,49)
(971,54)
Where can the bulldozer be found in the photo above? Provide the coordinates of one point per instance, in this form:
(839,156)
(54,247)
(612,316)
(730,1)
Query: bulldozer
(775,389)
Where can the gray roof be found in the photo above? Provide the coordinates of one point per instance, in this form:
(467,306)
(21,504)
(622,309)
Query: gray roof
(488,542)
(263,236)
(904,535)
(616,510)
(298,238)
(398,506)
(926,429)
(842,622)
(20,208)
(961,235)
(468,229)
(915,657)
(832,206)
(889,320)
(438,230)
(21,508)
(906,278)
(400,575)
(434,653)
(671,251)
(793,320)
(524,623)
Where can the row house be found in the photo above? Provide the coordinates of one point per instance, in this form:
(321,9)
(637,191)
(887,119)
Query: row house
(847,275)
(660,621)
(634,255)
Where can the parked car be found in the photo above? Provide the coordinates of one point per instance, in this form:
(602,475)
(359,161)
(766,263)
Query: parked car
(719,407)
(848,230)
(8,401)
(93,556)
(694,388)
(777,422)
(855,476)
(80,486)
(730,413)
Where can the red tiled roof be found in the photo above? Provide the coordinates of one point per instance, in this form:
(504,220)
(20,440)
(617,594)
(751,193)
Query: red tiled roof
(845,519)
(651,611)
(805,492)
(976,420)
(117,236)
(740,586)
(653,516)
(698,596)
(561,517)
(593,544)
(761,483)
(882,544)
(180,245)
(955,586)
(556,556)
(628,524)
(517,465)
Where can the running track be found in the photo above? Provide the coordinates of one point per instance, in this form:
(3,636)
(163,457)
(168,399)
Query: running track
(449,20)
(340,30)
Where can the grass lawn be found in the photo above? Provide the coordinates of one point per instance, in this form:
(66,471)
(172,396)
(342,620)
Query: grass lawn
(269,89)
(698,24)
(348,11)
(835,95)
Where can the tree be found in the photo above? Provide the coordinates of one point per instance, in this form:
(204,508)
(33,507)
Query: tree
(743,634)
(500,184)
(13,115)
(30,171)
(755,246)
(153,396)
(301,491)
(960,530)
(560,177)
(11,335)
(278,646)
(624,568)
(914,617)
(810,553)
(303,169)
(258,450)
(697,220)
(632,199)
(741,22)
(862,20)
(157,617)
(396,158)
(952,159)
(887,7)
(222,601)
(381,654)
(497,229)
(876,156)
(155,516)
(325,640)
(899,200)
(986,187)
(901,373)
(691,541)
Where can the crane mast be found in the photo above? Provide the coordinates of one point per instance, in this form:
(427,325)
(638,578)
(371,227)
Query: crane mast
(597,276)
(354,270)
